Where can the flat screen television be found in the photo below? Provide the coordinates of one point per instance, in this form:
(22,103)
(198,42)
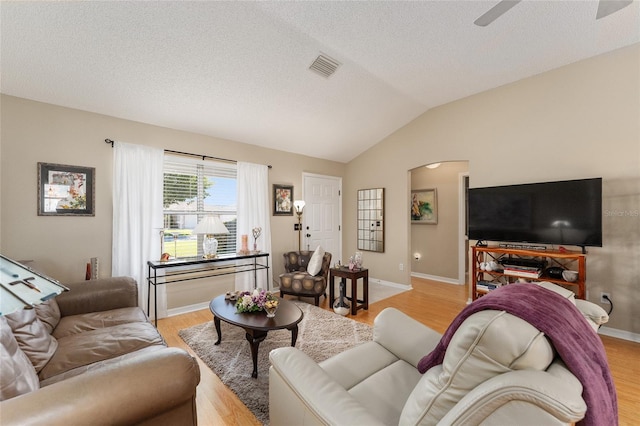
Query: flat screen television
(558,213)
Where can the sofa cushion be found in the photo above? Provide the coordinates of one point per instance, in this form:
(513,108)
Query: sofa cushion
(80,323)
(315,263)
(49,313)
(486,344)
(384,393)
(33,337)
(99,365)
(297,260)
(17,374)
(302,283)
(81,349)
(351,367)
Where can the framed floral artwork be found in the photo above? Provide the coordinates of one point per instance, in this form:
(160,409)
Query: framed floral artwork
(282,200)
(65,190)
(424,206)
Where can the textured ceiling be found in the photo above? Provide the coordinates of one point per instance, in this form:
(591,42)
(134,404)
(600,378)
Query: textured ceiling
(239,70)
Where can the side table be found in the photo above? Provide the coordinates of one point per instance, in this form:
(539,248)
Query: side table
(344,274)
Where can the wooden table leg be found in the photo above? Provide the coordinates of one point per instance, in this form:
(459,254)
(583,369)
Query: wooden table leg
(354,296)
(254,337)
(365,290)
(332,294)
(294,334)
(216,321)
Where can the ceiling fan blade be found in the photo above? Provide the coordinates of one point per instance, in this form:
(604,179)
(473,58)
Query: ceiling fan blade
(607,7)
(495,12)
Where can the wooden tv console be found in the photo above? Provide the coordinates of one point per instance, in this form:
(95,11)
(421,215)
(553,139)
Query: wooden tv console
(568,260)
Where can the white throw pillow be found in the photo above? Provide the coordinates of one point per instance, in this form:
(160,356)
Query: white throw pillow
(315,263)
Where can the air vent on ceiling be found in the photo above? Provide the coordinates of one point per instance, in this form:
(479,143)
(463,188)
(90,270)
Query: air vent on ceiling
(324,65)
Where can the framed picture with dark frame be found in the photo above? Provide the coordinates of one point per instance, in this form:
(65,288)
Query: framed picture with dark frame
(282,200)
(424,206)
(66,190)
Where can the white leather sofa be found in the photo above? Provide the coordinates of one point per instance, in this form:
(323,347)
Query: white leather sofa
(498,370)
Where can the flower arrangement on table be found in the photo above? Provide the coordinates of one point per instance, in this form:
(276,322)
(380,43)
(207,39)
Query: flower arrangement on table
(256,301)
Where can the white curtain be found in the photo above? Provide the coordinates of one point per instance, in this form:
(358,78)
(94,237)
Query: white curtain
(253,211)
(137,216)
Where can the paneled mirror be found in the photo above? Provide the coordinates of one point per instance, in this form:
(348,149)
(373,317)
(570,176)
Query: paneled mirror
(371,219)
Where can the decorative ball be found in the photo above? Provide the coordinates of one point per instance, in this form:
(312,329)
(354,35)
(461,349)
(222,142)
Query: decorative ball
(341,310)
(341,306)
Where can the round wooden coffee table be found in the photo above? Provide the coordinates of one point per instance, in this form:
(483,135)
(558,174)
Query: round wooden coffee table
(256,324)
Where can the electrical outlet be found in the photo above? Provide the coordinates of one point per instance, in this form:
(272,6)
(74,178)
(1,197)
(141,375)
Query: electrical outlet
(602,297)
(401,267)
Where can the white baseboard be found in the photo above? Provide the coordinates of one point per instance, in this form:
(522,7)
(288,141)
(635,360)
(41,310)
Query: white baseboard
(390,284)
(186,309)
(436,278)
(620,334)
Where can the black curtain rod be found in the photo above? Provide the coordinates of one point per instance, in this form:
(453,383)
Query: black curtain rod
(204,157)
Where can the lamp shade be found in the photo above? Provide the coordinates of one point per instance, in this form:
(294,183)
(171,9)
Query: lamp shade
(299,205)
(211,225)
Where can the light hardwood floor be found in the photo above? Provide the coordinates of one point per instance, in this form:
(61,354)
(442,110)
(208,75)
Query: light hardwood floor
(432,303)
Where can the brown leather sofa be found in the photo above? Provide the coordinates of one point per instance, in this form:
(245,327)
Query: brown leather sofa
(298,282)
(103,362)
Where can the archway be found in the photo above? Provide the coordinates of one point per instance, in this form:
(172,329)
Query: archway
(438,244)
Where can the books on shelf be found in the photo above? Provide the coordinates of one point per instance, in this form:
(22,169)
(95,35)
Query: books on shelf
(486,285)
(522,271)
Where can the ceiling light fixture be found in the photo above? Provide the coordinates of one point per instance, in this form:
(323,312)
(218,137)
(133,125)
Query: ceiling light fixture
(433,165)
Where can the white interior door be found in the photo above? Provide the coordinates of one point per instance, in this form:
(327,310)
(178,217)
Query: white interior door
(321,221)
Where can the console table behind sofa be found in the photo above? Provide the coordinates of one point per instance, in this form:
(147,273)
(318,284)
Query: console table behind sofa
(195,268)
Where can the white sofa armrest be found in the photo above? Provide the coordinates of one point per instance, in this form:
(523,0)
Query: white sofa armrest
(302,393)
(593,313)
(550,397)
(403,336)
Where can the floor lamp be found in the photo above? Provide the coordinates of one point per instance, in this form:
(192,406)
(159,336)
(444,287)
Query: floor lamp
(299,206)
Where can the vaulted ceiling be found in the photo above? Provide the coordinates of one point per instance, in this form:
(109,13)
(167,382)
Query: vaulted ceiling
(240,70)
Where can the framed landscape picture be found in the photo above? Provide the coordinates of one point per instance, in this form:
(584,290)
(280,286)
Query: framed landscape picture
(424,206)
(65,190)
(282,200)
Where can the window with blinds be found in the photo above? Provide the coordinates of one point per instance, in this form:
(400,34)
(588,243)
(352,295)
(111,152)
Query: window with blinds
(194,189)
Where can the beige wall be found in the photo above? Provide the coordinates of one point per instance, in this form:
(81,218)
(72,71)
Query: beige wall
(61,246)
(578,121)
(438,244)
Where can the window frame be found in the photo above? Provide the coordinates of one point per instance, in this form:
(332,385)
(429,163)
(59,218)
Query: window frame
(201,169)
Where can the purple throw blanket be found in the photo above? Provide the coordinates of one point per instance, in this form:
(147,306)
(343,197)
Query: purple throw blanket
(573,338)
